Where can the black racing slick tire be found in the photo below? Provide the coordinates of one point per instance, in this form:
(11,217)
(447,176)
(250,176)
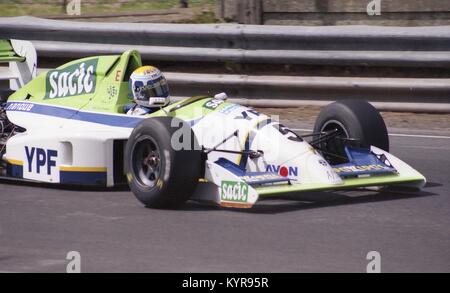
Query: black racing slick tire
(4,95)
(159,174)
(355,119)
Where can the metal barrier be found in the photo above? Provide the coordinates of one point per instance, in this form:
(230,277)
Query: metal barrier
(422,47)
(398,94)
(232,36)
(189,54)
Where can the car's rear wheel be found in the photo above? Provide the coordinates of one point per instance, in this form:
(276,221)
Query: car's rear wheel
(160,174)
(353,122)
(4,95)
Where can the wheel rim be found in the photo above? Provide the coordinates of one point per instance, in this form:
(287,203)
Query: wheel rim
(335,146)
(147,162)
(334,124)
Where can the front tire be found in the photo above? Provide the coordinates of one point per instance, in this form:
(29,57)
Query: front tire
(354,119)
(159,175)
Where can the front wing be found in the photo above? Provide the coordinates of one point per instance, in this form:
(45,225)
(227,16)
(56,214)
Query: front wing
(349,183)
(226,187)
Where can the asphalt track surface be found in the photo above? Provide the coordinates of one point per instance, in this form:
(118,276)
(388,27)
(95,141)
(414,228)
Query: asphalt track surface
(313,232)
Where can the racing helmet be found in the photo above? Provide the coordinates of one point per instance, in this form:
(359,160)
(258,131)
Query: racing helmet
(149,87)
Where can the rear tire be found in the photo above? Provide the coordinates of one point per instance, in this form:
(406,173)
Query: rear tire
(158,175)
(4,95)
(355,119)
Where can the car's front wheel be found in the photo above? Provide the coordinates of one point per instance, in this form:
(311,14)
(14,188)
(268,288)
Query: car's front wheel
(353,122)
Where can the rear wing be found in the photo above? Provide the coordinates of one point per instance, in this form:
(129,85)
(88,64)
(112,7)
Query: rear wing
(22,59)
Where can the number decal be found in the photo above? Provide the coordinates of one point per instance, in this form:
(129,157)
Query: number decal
(289,134)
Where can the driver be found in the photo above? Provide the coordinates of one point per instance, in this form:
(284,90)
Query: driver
(150,91)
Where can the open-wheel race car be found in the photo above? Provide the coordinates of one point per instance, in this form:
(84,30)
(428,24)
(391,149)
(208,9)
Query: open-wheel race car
(67,126)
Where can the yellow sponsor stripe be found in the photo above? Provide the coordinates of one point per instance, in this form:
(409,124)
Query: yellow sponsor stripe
(247,134)
(14,162)
(239,158)
(82,169)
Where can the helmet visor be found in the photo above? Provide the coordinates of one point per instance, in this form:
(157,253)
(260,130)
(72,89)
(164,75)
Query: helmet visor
(153,89)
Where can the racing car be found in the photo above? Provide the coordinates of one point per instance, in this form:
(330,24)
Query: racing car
(67,126)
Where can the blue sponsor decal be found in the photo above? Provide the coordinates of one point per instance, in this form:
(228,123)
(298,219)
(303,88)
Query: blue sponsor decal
(229,108)
(83,178)
(284,171)
(42,160)
(23,107)
(115,120)
(15,171)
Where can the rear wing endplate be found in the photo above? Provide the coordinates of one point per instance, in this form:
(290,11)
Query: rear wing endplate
(22,59)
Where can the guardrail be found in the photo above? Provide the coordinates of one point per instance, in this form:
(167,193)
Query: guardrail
(398,94)
(368,45)
(190,54)
(427,47)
